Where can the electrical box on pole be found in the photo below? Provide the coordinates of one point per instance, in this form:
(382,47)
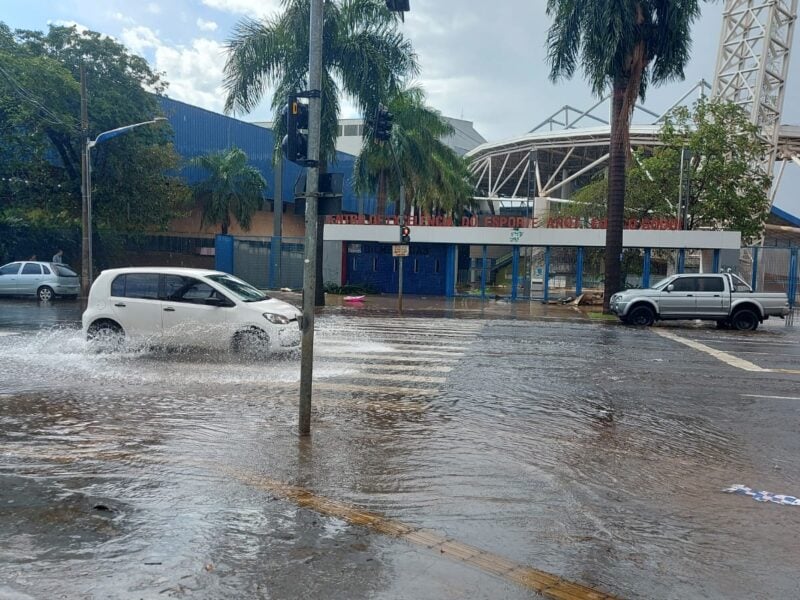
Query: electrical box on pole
(405,234)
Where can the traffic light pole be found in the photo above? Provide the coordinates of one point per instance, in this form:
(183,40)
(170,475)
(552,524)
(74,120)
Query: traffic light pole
(312,197)
(402,220)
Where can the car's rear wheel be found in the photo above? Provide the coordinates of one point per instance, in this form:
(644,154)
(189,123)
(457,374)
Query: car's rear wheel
(105,336)
(745,320)
(641,316)
(251,343)
(45,293)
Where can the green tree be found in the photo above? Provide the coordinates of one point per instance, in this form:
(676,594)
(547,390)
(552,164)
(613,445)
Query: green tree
(436,178)
(232,187)
(365,57)
(728,187)
(134,184)
(625,45)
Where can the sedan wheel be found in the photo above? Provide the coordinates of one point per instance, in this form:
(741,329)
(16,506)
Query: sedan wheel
(105,336)
(45,293)
(251,343)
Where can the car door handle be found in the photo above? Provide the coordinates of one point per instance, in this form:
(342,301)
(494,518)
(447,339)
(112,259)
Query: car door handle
(120,304)
(169,309)
(717,295)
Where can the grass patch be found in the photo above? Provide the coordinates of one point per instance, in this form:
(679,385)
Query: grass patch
(601,316)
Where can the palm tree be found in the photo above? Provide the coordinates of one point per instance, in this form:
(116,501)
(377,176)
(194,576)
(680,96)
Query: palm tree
(232,188)
(624,44)
(364,57)
(436,178)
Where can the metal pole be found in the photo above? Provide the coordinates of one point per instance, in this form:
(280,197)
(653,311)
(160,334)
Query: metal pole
(89,209)
(312,187)
(85,231)
(402,220)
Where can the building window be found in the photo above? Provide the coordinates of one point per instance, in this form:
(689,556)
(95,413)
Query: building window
(350,130)
(394,264)
(375,264)
(339,131)
(436,267)
(361,131)
(416,265)
(355,268)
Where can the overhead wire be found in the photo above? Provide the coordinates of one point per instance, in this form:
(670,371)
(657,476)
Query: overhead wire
(28,96)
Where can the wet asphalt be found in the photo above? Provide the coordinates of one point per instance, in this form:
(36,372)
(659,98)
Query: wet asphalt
(582,448)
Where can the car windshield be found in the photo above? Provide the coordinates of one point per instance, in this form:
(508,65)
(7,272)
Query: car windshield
(243,291)
(661,284)
(63,271)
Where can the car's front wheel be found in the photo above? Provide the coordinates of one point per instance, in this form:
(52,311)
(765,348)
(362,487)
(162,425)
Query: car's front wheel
(251,343)
(45,293)
(641,316)
(105,336)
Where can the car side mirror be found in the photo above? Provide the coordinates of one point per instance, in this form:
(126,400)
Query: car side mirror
(670,287)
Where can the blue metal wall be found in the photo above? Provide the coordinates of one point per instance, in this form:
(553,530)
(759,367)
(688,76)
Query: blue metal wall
(199,131)
(424,271)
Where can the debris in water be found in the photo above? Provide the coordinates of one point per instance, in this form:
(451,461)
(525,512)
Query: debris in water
(763,496)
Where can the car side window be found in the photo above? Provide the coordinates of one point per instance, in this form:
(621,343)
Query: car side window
(11,269)
(187,289)
(31,269)
(141,285)
(712,284)
(118,286)
(686,284)
(46,270)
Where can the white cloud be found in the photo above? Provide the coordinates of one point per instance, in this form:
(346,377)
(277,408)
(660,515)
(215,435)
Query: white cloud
(250,8)
(153,8)
(118,16)
(194,73)
(139,38)
(204,25)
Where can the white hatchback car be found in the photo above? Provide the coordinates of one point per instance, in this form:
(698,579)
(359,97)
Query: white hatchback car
(188,307)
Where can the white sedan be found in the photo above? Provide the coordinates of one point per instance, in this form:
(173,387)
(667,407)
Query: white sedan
(188,307)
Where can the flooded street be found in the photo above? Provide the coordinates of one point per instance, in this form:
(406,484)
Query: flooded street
(587,450)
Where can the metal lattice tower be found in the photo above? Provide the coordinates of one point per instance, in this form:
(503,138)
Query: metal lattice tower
(753,62)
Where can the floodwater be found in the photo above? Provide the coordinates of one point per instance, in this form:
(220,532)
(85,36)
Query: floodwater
(591,451)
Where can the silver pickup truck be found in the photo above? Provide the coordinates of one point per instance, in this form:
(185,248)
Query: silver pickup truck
(723,298)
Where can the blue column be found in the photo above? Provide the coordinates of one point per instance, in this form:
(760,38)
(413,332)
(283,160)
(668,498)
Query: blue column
(715,263)
(484,263)
(450,271)
(546,282)
(514,271)
(648,253)
(579,272)
(275,263)
(754,275)
(792,291)
(223,253)
(681,260)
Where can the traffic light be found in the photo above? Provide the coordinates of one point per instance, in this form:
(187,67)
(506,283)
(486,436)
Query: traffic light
(398,5)
(382,125)
(295,142)
(405,234)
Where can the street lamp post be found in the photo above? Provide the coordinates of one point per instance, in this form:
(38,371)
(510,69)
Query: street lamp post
(86,250)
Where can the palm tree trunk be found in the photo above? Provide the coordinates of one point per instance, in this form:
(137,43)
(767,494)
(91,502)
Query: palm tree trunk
(616,191)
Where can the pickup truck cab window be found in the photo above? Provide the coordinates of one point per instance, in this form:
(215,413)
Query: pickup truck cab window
(739,285)
(686,284)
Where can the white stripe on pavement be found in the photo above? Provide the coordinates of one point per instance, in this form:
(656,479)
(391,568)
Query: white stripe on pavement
(729,359)
(380,356)
(398,377)
(422,368)
(771,397)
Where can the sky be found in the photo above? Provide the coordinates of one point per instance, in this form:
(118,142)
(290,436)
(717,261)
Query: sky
(480,61)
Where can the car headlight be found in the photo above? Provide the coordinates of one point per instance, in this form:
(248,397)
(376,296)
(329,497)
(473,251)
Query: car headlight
(276,319)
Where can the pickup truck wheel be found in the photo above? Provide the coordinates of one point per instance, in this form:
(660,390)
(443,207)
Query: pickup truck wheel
(641,316)
(745,320)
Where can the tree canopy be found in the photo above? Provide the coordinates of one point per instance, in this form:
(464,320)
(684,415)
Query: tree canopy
(134,176)
(232,187)
(365,58)
(436,178)
(728,187)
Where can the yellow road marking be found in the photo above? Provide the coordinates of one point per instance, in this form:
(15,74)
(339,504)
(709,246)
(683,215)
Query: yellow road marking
(542,582)
(547,584)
